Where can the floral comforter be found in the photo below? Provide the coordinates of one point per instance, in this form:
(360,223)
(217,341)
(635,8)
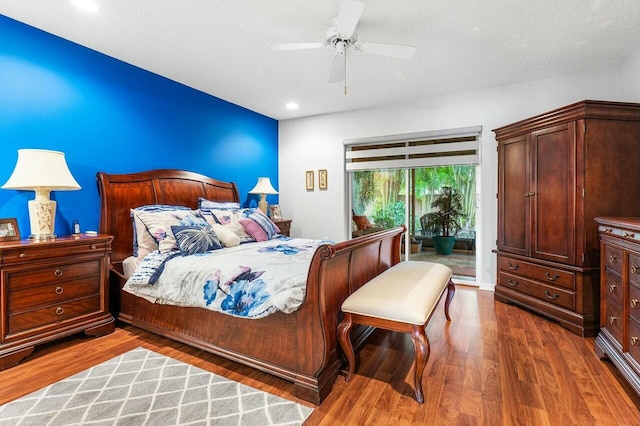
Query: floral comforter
(251,280)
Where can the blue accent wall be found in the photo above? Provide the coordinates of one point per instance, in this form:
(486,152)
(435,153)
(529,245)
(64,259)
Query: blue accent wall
(107,115)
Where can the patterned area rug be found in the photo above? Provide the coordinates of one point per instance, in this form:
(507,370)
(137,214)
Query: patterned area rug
(142,387)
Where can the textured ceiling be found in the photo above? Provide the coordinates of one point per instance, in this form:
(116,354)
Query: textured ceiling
(221,47)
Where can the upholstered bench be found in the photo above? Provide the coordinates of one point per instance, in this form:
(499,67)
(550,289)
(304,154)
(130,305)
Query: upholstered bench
(402,298)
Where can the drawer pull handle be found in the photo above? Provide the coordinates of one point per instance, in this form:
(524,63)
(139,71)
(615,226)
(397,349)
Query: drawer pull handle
(93,246)
(59,311)
(512,283)
(551,278)
(59,290)
(512,266)
(629,235)
(58,273)
(608,229)
(635,303)
(612,320)
(635,341)
(612,259)
(22,256)
(553,296)
(612,288)
(635,269)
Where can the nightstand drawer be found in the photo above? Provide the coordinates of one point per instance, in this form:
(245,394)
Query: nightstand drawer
(53,314)
(634,340)
(634,302)
(32,297)
(52,274)
(28,253)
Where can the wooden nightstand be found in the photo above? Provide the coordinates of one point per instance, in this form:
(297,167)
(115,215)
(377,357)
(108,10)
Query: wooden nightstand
(52,289)
(284,225)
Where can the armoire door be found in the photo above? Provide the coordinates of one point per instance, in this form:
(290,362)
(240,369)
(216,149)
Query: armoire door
(513,199)
(553,193)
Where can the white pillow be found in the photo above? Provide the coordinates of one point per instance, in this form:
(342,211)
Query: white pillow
(226,236)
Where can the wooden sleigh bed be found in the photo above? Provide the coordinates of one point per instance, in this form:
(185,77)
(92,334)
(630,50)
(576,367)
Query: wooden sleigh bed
(301,346)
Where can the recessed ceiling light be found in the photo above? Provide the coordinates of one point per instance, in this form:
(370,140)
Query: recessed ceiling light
(86,5)
(292,105)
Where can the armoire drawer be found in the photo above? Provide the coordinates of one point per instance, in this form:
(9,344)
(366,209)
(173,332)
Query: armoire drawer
(554,295)
(544,274)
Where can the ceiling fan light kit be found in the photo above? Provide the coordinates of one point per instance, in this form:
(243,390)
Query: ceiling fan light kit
(341,36)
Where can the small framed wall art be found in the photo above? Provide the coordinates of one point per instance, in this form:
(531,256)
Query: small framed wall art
(9,230)
(310,180)
(322,179)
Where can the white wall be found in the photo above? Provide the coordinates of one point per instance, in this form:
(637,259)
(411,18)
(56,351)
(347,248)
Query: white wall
(317,143)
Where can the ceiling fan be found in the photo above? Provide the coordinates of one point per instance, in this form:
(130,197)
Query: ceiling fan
(341,36)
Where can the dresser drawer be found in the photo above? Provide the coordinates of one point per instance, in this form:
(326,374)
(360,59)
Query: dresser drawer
(634,269)
(53,314)
(613,259)
(614,288)
(554,295)
(31,297)
(634,302)
(552,276)
(30,253)
(614,322)
(634,341)
(24,278)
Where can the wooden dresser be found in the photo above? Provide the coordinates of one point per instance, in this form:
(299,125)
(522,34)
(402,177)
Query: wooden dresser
(52,289)
(556,172)
(619,337)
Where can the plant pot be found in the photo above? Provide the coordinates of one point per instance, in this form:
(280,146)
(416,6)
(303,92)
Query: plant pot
(444,245)
(415,247)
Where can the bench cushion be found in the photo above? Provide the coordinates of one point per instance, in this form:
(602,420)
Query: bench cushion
(407,292)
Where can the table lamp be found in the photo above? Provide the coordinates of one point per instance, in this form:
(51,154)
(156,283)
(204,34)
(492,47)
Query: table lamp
(42,171)
(263,187)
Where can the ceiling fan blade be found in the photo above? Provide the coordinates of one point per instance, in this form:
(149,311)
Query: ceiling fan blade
(338,67)
(348,16)
(296,46)
(399,51)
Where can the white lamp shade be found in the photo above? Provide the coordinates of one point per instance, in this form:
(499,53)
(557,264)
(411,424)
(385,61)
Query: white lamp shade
(263,187)
(41,168)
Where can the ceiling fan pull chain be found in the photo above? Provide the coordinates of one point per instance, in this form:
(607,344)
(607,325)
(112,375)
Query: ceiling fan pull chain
(345,72)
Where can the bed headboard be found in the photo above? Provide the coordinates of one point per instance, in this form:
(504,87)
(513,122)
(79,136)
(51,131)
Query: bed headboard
(121,192)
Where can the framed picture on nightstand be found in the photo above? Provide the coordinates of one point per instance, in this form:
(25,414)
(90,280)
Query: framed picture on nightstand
(9,230)
(275,213)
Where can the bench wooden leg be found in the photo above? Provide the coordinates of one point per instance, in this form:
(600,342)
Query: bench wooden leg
(422,350)
(451,291)
(344,338)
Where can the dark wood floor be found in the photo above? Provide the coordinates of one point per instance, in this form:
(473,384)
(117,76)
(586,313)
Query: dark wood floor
(494,364)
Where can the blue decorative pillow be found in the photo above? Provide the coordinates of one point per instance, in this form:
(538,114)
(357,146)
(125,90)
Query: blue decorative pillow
(270,228)
(204,204)
(195,239)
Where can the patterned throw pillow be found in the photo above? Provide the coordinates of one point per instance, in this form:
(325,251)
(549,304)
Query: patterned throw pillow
(253,229)
(195,239)
(143,241)
(270,228)
(159,224)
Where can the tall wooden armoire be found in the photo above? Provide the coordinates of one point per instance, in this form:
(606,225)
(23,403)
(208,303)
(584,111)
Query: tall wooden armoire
(556,172)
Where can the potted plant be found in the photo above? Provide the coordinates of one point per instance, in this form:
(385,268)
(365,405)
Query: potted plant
(444,220)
